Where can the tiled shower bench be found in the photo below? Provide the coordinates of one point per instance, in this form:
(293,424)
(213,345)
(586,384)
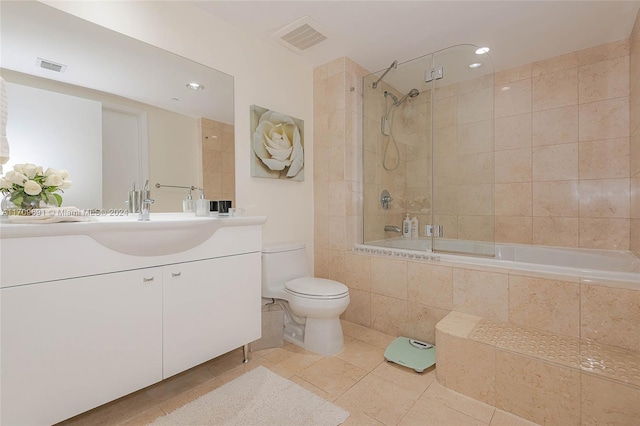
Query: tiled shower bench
(541,376)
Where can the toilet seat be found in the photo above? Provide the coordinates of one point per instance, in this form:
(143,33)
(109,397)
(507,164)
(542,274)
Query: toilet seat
(316,288)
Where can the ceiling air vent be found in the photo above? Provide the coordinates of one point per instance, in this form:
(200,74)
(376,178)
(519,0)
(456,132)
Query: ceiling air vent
(300,35)
(50,65)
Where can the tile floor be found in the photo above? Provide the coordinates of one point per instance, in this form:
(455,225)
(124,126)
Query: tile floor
(358,379)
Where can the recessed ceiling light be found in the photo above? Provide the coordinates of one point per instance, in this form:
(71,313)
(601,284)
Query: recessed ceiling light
(195,86)
(482,50)
(505,88)
(475,65)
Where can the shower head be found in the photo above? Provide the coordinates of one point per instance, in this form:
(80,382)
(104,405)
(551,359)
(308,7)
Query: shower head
(397,102)
(412,94)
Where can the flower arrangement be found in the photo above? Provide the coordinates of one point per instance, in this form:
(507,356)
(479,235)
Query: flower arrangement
(27,185)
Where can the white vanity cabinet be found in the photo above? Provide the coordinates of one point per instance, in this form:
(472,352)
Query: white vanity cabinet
(71,345)
(209,307)
(86,324)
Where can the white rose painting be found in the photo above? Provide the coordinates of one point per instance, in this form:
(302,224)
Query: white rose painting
(277,142)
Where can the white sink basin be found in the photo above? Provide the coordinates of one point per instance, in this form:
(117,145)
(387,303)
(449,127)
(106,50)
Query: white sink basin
(165,233)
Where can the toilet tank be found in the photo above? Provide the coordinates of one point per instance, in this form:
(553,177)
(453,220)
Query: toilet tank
(281,263)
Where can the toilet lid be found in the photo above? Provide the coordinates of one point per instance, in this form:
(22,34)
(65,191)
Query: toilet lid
(316,288)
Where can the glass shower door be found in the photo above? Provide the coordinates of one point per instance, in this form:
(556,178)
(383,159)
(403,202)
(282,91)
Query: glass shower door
(397,154)
(462,151)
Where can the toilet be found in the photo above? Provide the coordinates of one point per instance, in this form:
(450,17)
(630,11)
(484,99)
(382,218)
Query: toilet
(312,306)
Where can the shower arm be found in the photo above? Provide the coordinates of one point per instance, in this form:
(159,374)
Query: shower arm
(394,64)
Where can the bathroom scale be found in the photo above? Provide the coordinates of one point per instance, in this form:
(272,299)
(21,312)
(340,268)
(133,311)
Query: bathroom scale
(411,353)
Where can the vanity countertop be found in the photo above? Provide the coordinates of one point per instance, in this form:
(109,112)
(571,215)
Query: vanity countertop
(106,223)
(164,234)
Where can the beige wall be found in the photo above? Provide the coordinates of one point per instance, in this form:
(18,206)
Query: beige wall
(263,75)
(562,150)
(634,130)
(337,147)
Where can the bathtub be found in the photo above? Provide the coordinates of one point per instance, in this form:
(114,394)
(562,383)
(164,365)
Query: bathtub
(588,264)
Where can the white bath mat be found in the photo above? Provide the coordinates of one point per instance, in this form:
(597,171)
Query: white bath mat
(258,397)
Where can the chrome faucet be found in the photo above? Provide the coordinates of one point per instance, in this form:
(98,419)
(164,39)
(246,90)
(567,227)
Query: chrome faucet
(392,228)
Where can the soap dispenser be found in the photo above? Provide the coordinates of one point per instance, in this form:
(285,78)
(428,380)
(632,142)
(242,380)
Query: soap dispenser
(406,227)
(188,204)
(414,227)
(202,205)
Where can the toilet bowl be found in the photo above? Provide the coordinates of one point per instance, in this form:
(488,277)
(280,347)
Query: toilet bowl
(312,305)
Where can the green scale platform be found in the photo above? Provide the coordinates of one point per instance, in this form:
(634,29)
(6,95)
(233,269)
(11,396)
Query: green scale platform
(411,353)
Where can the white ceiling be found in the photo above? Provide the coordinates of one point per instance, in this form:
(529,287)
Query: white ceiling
(375,33)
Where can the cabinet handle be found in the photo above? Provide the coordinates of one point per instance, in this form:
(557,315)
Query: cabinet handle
(176,274)
(146,280)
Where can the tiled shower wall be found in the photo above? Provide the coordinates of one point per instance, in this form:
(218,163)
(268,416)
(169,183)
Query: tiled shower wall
(336,151)
(562,150)
(574,107)
(218,160)
(634,131)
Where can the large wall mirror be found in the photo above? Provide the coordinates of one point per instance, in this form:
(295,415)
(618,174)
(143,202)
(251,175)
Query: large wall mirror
(113,111)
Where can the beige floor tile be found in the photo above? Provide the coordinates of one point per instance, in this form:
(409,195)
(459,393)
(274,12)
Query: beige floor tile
(295,363)
(283,370)
(378,398)
(279,355)
(428,412)
(360,419)
(377,338)
(361,354)
(502,418)
(333,375)
(353,330)
(459,402)
(308,386)
(405,377)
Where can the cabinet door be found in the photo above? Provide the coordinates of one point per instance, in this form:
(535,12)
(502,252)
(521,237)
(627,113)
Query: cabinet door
(210,307)
(69,346)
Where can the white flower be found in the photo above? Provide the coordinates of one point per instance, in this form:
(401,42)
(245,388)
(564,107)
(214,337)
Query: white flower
(277,142)
(19,168)
(53,180)
(5,184)
(64,173)
(66,184)
(30,170)
(51,171)
(16,177)
(31,187)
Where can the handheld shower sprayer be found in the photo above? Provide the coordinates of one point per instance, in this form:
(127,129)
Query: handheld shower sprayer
(397,102)
(386,125)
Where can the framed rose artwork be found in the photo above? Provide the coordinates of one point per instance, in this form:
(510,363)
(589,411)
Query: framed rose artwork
(277,145)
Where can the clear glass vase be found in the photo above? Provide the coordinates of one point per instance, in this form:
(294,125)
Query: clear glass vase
(9,208)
